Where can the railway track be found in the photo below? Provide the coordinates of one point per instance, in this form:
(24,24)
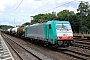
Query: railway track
(78,54)
(23,52)
(78,51)
(82,43)
(71,53)
(74,55)
(87,42)
(82,46)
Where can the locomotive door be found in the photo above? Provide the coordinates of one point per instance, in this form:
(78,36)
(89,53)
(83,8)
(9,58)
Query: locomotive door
(48,31)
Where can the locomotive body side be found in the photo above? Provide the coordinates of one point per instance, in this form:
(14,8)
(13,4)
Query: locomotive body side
(35,31)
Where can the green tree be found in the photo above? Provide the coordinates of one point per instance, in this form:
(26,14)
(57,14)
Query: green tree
(65,14)
(25,24)
(83,12)
(5,27)
(42,18)
(83,8)
(37,18)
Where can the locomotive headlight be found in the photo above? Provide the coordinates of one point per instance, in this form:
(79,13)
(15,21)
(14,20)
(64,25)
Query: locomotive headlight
(70,37)
(58,38)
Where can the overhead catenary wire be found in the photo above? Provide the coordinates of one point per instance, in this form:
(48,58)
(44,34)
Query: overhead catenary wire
(16,9)
(18,6)
(42,5)
(60,6)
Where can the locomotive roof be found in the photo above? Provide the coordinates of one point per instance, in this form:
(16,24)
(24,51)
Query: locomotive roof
(49,22)
(56,21)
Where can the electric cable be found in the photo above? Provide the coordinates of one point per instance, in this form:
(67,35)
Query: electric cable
(42,5)
(60,6)
(18,6)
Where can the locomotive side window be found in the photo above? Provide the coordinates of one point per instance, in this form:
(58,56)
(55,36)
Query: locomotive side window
(49,26)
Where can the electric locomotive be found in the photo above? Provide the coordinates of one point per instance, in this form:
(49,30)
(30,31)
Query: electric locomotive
(56,33)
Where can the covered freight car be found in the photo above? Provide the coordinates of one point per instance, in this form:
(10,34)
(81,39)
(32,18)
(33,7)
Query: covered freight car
(56,33)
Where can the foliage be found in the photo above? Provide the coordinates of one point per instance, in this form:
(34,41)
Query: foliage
(65,14)
(42,18)
(83,13)
(83,8)
(84,29)
(5,27)
(25,24)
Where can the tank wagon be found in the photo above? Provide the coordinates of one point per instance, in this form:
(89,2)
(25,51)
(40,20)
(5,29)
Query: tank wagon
(8,31)
(20,31)
(55,33)
(14,31)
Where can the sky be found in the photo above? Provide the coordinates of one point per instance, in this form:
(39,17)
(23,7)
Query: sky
(17,12)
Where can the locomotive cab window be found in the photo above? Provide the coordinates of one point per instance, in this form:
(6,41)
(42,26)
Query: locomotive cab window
(63,26)
(49,26)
